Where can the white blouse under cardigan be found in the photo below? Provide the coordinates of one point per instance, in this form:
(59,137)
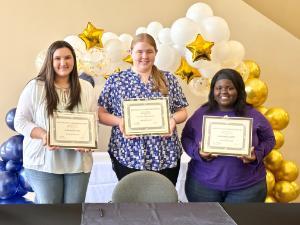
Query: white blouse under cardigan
(31,112)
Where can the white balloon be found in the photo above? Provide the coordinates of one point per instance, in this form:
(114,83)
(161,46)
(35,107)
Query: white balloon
(108,36)
(209,69)
(140,30)
(76,42)
(198,11)
(235,56)
(167,58)
(220,51)
(183,31)
(215,29)
(164,36)
(180,49)
(126,41)
(154,28)
(114,50)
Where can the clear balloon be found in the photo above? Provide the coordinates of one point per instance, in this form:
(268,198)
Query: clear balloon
(199,86)
(9,118)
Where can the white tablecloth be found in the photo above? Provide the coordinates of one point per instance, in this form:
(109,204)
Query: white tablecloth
(103,179)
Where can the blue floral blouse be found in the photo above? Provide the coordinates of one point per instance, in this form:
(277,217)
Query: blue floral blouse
(144,152)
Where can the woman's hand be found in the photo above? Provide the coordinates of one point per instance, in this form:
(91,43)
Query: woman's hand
(249,159)
(205,155)
(122,129)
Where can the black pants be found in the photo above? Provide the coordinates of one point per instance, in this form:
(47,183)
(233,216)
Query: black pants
(121,170)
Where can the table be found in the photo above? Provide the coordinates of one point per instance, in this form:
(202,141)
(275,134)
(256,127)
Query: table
(103,179)
(70,214)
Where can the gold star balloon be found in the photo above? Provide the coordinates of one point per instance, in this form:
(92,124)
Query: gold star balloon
(186,72)
(200,48)
(128,59)
(92,36)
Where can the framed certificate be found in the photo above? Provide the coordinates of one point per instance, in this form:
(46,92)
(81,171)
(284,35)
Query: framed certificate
(146,116)
(73,130)
(227,135)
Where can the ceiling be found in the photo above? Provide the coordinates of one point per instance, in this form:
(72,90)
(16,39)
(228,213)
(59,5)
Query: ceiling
(285,13)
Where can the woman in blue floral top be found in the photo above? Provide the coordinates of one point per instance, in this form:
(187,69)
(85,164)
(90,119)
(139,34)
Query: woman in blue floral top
(143,80)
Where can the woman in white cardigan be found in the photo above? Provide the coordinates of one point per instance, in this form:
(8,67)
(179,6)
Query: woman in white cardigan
(57,175)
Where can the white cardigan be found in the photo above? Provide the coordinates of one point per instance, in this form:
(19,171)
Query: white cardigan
(31,112)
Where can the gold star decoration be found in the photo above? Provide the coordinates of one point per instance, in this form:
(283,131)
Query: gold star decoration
(186,72)
(128,59)
(92,36)
(200,48)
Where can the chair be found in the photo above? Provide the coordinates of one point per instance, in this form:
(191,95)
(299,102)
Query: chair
(144,187)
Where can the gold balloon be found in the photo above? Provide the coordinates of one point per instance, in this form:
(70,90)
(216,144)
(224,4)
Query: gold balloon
(284,191)
(270,181)
(92,36)
(128,59)
(273,160)
(288,171)
(257,91)
(186,72)
(254,70)
(270,199)
(200,48)
(278,118)
(279,139)
(262,109)
(243,71)
(296,188)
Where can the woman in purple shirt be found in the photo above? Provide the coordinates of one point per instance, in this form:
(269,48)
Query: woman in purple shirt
(212,178)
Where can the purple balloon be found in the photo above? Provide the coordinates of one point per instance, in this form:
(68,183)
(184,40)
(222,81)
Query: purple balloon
(20,191)
(2,165)
(23,181)
(16,200)
(12,149)
(9,118)
(8,184)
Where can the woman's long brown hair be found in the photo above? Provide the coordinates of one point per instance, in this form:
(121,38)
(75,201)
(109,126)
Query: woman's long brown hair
(47,75)
(159,79)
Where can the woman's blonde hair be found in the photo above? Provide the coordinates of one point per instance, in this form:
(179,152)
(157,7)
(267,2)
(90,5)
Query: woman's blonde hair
(158,77)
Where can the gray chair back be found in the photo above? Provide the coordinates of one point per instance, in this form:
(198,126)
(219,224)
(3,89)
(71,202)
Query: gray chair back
(146,187)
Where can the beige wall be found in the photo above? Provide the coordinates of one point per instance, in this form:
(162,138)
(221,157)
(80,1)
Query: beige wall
(29,26)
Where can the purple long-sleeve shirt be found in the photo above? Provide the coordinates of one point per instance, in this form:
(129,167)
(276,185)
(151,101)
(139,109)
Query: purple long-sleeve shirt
(227,173)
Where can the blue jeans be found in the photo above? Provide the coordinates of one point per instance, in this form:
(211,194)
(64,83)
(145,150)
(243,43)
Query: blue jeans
(58,188)
(196,192)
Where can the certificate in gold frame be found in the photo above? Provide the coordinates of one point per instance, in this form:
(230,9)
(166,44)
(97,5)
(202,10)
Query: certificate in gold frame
(227,135)
(73,130)
(146,116)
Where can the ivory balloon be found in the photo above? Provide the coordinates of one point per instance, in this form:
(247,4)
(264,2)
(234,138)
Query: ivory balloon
(215,29)
(198,11)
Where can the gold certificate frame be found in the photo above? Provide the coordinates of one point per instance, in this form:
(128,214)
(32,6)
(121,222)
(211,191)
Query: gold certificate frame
(73,130)
(146,116)
(227,135)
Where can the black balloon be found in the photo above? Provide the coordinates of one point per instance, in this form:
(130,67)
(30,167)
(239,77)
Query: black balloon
(85,76)
(12,149)
(9,118)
